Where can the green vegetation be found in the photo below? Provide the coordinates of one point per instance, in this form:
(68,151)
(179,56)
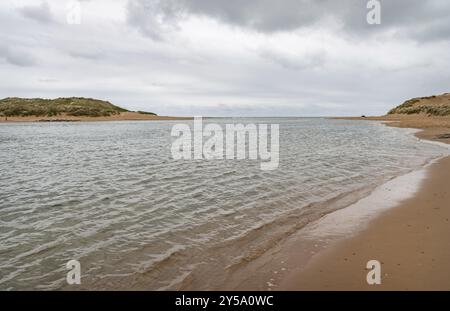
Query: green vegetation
(73,106)
(145,112)
(431,105)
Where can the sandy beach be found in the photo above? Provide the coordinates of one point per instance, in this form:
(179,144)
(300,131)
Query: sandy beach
(123,116)
(411,240)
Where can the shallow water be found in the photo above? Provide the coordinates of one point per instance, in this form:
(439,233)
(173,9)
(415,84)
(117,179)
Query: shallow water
(109,195)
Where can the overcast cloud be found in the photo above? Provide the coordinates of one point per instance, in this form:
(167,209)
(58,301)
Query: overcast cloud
(252,58)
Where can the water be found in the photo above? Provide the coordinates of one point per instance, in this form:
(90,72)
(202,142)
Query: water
(109,195)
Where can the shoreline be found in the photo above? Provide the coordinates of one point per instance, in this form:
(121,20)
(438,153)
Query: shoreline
(410,239)
(430,128)
(123,116)
(281,265)
(298,261)
(288,258)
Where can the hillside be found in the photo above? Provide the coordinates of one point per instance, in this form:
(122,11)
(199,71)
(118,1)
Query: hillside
(73,106)
(432,106)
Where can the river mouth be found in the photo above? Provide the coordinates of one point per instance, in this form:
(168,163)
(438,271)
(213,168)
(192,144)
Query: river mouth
(110,196)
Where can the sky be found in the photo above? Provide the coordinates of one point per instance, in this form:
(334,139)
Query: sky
(227,58)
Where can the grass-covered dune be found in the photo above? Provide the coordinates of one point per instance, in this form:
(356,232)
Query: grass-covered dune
(72,106)
(431,105)
(431,114)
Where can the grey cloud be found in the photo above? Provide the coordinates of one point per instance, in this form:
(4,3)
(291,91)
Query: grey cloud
(17,57)
(48,80)
(263,15)
(295,62)
(40,13)
(437,30)
(91,55)
(413,19)
(154,17)
(270,16)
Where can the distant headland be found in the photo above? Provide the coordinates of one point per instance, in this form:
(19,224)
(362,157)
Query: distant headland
(14,109)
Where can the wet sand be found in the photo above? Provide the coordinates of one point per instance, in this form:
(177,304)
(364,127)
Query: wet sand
(123,116)
(411,240)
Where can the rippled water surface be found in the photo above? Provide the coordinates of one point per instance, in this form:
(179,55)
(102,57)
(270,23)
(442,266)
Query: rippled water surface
(109,195)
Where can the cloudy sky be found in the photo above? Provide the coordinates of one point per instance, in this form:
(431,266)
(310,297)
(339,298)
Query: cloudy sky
(227,57)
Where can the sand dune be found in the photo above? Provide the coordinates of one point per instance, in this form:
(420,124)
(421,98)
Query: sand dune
(123,116)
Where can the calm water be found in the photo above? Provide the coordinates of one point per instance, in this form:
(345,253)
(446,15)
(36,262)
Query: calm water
(109,195)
